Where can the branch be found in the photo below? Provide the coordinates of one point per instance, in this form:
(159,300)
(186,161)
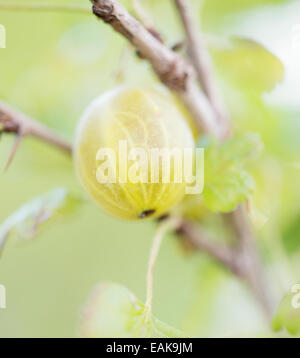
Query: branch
(248,263)
(241,261)
(13,121)
(200,240)
(250,258)
(202,63)
(171,68)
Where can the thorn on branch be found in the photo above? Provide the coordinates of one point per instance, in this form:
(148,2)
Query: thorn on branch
(13,151)
(14,121)
(8,125)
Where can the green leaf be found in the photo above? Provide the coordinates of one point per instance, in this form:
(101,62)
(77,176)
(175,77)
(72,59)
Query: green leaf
(243,62)
(288,313)
(227,178)
(27,220)
(113,311)
(291,235)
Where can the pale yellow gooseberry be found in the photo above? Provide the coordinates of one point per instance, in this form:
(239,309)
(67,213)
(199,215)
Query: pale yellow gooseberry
(143,118)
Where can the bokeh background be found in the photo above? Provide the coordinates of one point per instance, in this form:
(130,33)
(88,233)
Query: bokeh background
(53,66)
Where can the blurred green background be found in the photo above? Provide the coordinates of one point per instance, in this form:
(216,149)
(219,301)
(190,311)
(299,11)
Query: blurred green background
(53,66)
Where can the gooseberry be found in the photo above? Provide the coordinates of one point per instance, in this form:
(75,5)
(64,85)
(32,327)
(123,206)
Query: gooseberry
(136,121)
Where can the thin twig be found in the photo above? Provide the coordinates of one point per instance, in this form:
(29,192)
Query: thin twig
(171,68)
(241,260)
(248,256)
(13,121)
(145,19)
(48,7)
(164,226)
(202,62)
(201,240)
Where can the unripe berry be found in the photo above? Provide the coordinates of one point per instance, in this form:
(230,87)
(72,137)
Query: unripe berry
(145,119)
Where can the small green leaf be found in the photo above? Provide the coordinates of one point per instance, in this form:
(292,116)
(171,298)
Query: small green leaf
(291,235)
(227,179)
(244,62)
(27,220)
(288,313)
(113,311)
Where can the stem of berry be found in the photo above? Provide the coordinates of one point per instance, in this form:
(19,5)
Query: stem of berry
(165,226)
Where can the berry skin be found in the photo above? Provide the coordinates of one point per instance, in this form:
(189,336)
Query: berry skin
(145,118)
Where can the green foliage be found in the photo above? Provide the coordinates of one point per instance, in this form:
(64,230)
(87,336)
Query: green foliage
(288,315)
(113,311)
(27,220)
(291,235)
(228,181)
(243,63)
